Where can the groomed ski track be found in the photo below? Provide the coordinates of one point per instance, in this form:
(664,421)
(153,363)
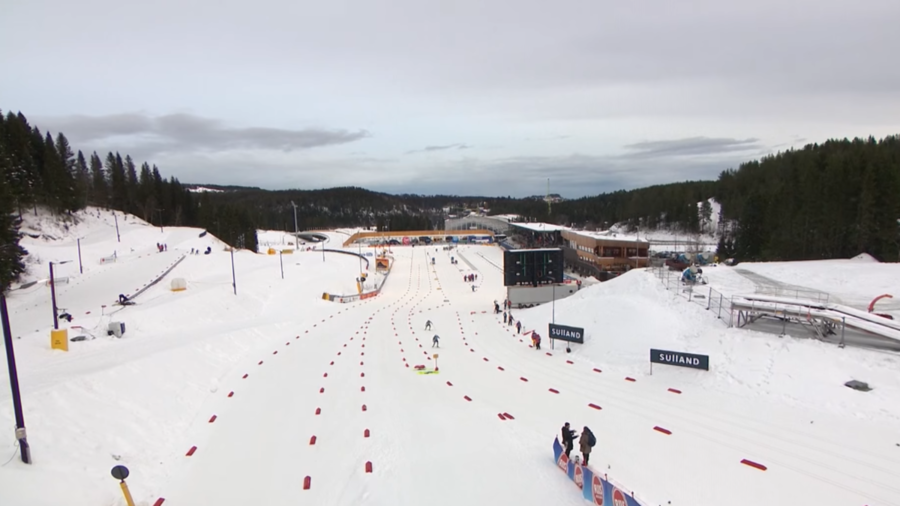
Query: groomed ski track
(430,444)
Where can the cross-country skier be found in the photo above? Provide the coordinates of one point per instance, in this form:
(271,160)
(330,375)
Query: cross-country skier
(434,341)
(428,325)
(586,442)
(537,340)
(568,438)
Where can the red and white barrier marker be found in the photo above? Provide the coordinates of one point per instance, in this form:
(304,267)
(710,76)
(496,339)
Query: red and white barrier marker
(664,431)
(191,451)
(592,405)
(307,483)
(753,464)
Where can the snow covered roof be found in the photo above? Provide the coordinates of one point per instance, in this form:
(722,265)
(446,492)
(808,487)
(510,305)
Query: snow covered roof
(540,227)
(505,217)
(608,235)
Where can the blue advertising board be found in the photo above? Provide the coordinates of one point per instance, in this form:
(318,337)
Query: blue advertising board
(595,488)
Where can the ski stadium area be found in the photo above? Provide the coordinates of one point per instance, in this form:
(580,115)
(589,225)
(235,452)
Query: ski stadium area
(279,377)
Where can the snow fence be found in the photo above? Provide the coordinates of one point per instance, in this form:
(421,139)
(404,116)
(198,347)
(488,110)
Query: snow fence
(597,489)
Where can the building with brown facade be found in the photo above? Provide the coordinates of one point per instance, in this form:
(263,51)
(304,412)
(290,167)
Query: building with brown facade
(606,252)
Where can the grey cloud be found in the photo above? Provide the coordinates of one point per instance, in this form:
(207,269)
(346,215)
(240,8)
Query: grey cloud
(426,149)
(572,176)
(691,146)
(187,133)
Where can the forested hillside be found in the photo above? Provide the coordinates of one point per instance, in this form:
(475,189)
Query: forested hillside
(833,200)
(830,200)
(662,206)
(837,199)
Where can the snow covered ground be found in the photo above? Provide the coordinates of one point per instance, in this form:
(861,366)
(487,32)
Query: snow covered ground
(300,367)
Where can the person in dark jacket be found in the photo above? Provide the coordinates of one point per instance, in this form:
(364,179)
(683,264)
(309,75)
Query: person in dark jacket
(568,438)
(428,325)
(584,443)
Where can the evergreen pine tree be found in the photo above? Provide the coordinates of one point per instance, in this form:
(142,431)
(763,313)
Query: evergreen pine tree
(11,254)
(82,180)
(99,188)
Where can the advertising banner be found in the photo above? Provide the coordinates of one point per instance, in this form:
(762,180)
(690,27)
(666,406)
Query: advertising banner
(566,333)
(679,359)
(595,488)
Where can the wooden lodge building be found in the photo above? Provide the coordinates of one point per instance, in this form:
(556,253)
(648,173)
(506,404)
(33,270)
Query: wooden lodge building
(589,253)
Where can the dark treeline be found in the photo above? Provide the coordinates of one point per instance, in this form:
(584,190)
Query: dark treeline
(830,200)
(671,206)
(329,208)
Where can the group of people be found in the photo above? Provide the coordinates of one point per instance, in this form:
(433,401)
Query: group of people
(470,278)
(162,247)
(436,340)
(508,319)
(586,442)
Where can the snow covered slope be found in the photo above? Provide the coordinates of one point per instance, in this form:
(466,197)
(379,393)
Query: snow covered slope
(249,380)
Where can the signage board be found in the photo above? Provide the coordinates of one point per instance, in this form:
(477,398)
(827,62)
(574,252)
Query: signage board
(566,333)
(679,359)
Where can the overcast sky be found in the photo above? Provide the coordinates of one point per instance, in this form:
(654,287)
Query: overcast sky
(487,97)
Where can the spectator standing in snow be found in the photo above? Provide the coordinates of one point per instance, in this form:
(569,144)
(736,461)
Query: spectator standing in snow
(568,438)
(428,325)
(537,340)
(519,327)
(586,442)
(504,317)
(434,341)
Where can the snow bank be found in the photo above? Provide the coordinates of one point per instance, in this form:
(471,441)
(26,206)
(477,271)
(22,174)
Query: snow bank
(625,317)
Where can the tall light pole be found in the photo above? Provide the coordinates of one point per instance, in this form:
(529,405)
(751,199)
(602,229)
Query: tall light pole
(296,232)
(53,294)
(118,237)
(80,267)
(14,382)
(160,219)
(233,277)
